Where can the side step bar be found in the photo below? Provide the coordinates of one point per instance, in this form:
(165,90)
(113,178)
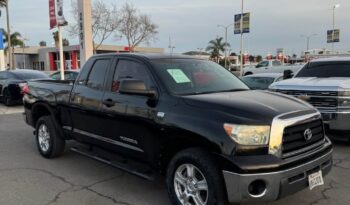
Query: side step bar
(122,163)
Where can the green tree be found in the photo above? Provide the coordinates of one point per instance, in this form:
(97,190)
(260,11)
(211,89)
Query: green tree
(42,43)
(55,38)
(215,47)
(16,40)
(65,42)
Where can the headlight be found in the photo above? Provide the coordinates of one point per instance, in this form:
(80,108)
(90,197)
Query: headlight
(344,102)
(248,135)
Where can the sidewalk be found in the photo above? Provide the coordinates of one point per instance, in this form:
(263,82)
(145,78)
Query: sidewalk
(10,110)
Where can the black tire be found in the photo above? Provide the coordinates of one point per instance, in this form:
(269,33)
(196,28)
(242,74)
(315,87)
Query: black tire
(202,160)
(56,144)
(6,98)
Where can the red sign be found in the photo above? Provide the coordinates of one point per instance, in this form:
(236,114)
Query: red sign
(52,12)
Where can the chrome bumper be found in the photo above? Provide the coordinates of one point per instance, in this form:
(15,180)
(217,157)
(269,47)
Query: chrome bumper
(278,184)
(339,121)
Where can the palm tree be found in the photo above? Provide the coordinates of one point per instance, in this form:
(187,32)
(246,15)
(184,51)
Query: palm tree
(55,38)
(215,47)
(16,40)
(4,3)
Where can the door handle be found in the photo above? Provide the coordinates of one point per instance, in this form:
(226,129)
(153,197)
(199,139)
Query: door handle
(109,103)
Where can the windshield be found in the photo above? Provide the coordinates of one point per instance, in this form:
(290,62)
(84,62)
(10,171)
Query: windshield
(325,70)
(31,75)
(191,76)
(258,83)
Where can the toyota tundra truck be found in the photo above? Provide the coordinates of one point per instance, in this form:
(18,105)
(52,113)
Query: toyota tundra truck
(325,84)
(189,120)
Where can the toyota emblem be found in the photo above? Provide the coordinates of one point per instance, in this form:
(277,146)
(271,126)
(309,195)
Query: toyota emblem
(308,134)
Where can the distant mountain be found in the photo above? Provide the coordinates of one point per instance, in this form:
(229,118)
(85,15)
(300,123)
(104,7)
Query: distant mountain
(196,53)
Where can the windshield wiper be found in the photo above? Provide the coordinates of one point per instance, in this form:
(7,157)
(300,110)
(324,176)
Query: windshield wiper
(216,91)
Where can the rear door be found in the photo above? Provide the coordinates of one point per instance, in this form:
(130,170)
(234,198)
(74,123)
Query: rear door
(86,100)
(129,124)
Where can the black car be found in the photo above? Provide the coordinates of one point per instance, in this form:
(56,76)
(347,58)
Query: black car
(68,75)
(12,83)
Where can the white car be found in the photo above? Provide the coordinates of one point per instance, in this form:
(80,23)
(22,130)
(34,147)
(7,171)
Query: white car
(261,81)
(271,66)
(325,84)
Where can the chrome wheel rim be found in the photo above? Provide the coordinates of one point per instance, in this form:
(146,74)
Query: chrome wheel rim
(44,138)
(191,187)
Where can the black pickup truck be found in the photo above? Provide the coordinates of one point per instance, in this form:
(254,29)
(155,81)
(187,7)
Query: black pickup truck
(216,141)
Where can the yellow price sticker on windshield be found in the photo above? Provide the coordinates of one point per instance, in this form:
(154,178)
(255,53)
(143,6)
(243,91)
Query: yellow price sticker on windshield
(178,75)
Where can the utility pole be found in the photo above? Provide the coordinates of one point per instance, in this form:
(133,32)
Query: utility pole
(333,32)
(242,37)
(308,37)
(226,28)
(171,47)
(9,43)
(60,42)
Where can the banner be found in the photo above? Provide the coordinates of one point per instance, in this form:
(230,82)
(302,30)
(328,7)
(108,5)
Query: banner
(61,21)
(333,36)
(56,13)
(246,23)
(1,40)
(52,12)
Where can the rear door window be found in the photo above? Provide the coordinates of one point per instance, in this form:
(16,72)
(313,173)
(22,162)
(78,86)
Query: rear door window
(97,74)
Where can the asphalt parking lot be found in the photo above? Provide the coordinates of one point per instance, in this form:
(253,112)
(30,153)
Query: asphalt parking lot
(27,178)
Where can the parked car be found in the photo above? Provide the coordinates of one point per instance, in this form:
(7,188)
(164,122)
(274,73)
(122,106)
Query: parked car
(270,66)
(68,75)
(12,83)
(215,140)
(261,81)
(325,84)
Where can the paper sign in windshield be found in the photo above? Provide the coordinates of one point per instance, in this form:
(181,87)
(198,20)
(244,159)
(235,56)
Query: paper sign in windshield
(178,75)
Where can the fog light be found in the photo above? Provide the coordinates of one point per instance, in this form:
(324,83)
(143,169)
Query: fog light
(257,188)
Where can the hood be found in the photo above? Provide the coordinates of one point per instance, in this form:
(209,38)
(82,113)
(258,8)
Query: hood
(333,84)
(259,107)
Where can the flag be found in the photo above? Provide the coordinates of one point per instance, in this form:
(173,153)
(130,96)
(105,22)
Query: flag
(56,13)
(52,12)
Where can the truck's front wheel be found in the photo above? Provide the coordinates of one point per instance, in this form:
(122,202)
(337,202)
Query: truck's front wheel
(50,145)
(194,179)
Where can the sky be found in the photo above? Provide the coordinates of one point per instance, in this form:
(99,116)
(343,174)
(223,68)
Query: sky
(191,24)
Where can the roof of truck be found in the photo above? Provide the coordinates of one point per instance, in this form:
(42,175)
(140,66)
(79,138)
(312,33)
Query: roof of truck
(150,56)
(331,59)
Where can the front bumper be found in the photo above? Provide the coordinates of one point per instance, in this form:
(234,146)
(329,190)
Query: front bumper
(278,184)
(338,121)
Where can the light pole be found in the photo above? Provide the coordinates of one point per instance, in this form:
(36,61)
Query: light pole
(200,52)
(308,37)
(226,28)
(241,57)
(10,57)
(333,32)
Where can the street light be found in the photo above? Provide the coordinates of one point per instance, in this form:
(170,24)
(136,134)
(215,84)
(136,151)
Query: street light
(334,7)
(226,28)
(308,37)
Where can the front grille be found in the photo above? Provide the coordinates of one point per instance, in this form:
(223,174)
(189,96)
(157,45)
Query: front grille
(318,99)
(309,93)
(294,141)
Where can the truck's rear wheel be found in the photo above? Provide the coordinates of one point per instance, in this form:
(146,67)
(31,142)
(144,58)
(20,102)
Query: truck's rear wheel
(50,144)
(194,179)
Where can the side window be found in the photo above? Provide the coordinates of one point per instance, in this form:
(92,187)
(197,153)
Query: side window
(276,63)
(56,76)
(2,75)
(127,69)
(97,74)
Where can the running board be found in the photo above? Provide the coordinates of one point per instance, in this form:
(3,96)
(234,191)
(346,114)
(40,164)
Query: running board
(123,164)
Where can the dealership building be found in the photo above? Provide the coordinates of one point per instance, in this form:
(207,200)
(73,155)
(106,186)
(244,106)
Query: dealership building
(47,58)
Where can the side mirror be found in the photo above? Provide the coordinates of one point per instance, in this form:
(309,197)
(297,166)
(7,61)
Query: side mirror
(135,87)
(287,74)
